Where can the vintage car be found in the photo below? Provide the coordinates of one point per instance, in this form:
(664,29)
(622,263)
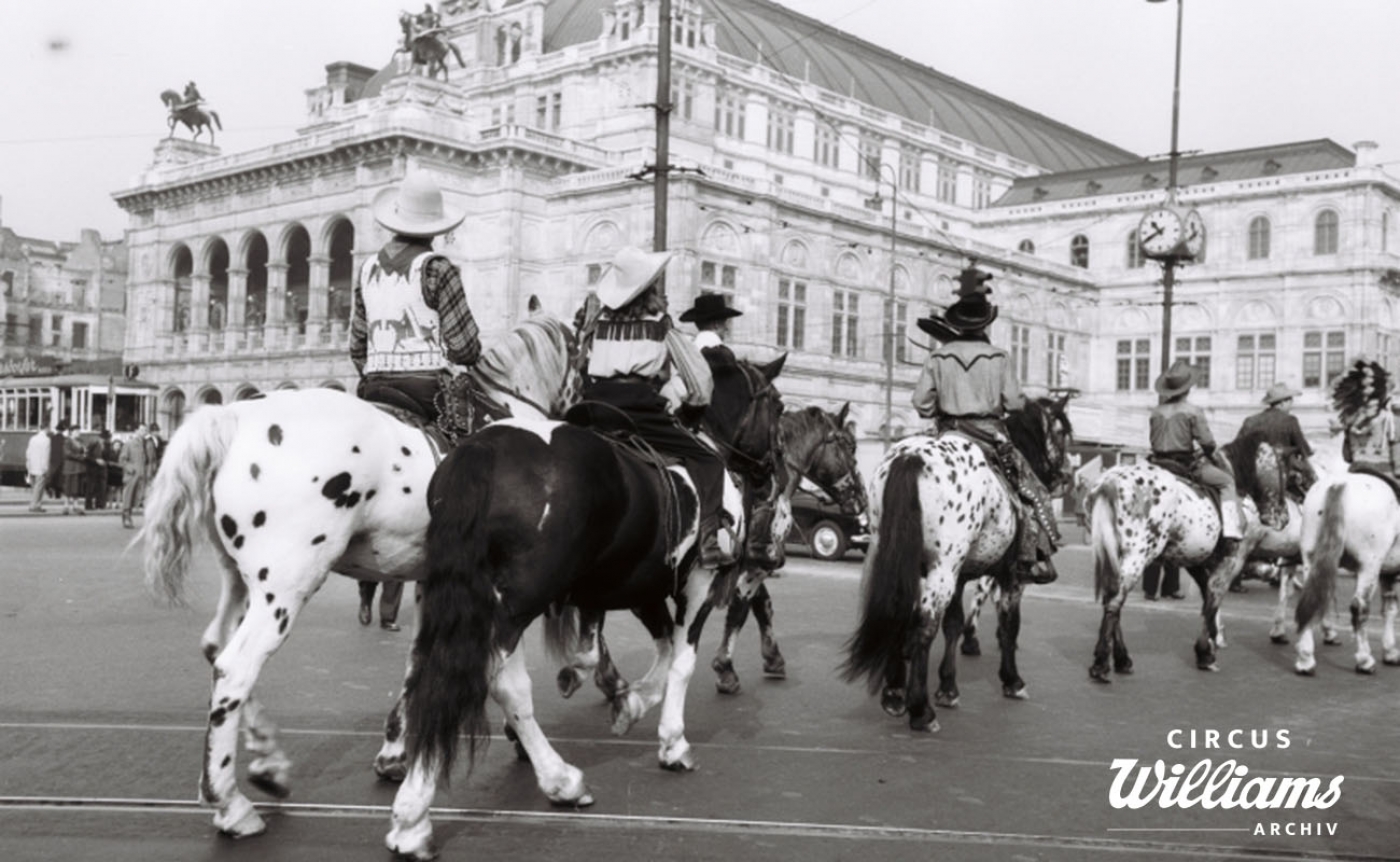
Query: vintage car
(819,523)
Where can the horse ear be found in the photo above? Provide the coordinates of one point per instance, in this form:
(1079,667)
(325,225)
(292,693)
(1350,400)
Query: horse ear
(774,368)
(841,417)
(1062,401)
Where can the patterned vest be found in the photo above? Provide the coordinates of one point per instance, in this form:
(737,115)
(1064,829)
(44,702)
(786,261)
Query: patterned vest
(403,331)
(630,347)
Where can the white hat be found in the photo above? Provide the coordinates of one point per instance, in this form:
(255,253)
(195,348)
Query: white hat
(632,271)
(415,208)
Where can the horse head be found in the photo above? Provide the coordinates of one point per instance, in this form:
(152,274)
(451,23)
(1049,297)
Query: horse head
(745,412)
(1299,474)
(535,362)
(170,98)
(1041,430)
(821,447)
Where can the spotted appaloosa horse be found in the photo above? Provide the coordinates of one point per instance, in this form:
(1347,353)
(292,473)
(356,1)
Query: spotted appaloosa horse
(941,516)
(818,446)
(525,515)
(292,487)
(1352,518)
(1140,513)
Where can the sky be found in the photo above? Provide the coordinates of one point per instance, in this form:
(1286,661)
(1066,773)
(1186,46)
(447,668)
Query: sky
(80,112)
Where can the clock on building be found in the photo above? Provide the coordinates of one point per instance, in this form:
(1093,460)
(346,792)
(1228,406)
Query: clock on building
(1194,230)
(1159,233)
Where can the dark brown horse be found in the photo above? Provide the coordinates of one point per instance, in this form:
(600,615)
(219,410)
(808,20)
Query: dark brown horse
(427,49)
(195,118)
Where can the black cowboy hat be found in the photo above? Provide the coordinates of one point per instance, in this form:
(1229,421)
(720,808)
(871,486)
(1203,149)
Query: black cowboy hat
(971,313)
(708,307)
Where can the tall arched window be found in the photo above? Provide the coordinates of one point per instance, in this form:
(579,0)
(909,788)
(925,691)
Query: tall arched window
(1135,258)
(1079,251)
(1259,231)
(1325,233)
(1385,231)
(1026,246)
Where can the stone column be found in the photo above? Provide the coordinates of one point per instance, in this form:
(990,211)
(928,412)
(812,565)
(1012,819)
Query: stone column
(318,297)
(198,336)
(165,316)
(237,314)
(274,333)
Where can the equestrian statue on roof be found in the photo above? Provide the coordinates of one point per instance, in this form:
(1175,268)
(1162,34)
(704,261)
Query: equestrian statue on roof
(185,108)
(425,41)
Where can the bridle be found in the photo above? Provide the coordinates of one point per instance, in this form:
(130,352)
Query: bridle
(845,488)
(762,392)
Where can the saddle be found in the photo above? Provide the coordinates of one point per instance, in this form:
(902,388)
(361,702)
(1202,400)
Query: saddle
(438,440)
(1389,479)
(1186,474)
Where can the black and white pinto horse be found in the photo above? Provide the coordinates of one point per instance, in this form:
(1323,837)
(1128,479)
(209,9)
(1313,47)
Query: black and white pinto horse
(1140,513)
(528,515)
(290,488)
(817,446)
(1352,518)
(941,516)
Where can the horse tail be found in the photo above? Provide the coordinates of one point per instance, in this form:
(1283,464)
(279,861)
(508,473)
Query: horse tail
(891,578)
(214,115)
(560,631)
(446,692)
(458,54)
(178,502)
(1103,529)
(1326,558)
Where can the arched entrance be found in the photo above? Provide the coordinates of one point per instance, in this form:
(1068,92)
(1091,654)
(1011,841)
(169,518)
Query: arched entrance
(298,256)
(172,412)
(246,391)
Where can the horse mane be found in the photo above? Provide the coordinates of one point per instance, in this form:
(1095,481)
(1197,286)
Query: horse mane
(729,401)
(530,360)
(1243,452)
(1026,428)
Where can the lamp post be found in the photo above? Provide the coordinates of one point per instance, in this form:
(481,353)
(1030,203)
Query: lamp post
(1173,158)
(887,434)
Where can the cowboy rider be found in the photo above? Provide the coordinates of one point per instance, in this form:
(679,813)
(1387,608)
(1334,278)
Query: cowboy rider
(968,385)
(710,315)
(411,326)
(192,96)
(634,354)
(1177,428)
(1278,426)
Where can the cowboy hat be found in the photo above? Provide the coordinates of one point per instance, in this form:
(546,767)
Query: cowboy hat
(972,313)
(415,208)
(709,307)
(1279,392)
(632,271)
(938,327)
(1177,379)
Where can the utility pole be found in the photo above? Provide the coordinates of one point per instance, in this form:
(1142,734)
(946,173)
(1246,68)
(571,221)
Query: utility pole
(1173,159)
(890,320)
(662,169)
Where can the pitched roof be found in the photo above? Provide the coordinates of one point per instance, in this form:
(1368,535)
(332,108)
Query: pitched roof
(1230,166)
(804,47)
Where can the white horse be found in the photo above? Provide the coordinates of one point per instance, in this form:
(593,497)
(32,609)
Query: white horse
(292,487)
(1140,513)
(1353,518)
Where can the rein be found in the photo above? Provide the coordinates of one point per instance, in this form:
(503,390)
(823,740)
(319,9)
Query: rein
(758,395)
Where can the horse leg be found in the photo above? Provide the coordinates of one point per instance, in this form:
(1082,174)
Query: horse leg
(1110,637)
(1009,630)
(1366,577)
(633,703)
(675,754)
(262,631)
(1278,633)
(727,681)
(953,627)
(774,665)
(1212,584)
(560,782)
(410,830)
(391,763)
(583,656)
(970,644)
(1390,606)
(922,718)
(896,680)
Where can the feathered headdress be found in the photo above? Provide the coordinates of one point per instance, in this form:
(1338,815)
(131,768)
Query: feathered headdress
(1362,392)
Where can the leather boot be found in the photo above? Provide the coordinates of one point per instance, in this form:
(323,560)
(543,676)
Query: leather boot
(365,613)
(712,556)
(1231,517)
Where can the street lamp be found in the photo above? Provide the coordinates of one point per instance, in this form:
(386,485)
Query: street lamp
(887,434)
(1169,264)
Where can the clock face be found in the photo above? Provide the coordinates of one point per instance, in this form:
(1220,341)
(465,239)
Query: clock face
(1159,232)
(1194,230)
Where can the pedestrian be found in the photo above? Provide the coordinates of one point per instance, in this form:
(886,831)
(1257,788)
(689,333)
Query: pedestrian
(155,450)
(388,604)
(134,464)
(36,465)
(96,461)
(53,477)
(1168,576)
(74,471)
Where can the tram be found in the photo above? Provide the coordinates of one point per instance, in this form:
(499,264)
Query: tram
(90,402)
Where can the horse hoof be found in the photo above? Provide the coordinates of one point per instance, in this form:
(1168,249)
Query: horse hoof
(775,670)
(273,783)
(1099,674)
(242,821)
(414,843)
(1015,692)
(971,647)
(582,802)
(568,682)
(728,684)
(392,769)
(684,762)
(892,702)
(1392,658)
(1366,668)
(623,715)
(930,726)
(1332,640)
(1209,667)
(1305,670)
(1124,669)
(1281,640)
(945,698)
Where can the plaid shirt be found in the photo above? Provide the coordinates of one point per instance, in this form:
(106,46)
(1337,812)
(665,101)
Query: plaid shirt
(442,291)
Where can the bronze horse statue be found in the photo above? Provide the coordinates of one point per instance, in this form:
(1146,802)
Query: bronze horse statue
(427,48)
(195,118)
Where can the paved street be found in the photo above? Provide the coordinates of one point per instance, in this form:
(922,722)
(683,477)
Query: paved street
(103,698)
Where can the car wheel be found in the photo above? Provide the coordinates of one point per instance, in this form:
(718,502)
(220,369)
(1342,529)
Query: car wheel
(828,541)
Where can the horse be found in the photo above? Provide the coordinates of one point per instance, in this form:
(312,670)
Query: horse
(1141,512)
(427,49)
(941,516)
(1352,518)
(195,118)
(818,446)
(291,487)
(529,515)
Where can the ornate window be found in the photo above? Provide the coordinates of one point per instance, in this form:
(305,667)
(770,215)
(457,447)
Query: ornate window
(1026,246)
(1256,360)
(948,181)
(1324,356)
(792,313)
(1135,257)
(1056,360)
(826,145)
(729,114)
(981,189)
(719,278)
(781,122)
(1079,251)
(1021,352)
(870,147)
(895,336)
(845,323)
(1325,233)
(1134,363)
(1259,235)
(1196,351)
(910,163)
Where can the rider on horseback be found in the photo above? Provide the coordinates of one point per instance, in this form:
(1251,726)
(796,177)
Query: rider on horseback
(1362,398)
(411,324)
(192,97)
(1176,427)
(967,385)
(635,349)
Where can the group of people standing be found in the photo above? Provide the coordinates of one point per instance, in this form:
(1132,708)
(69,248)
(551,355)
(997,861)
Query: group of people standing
(76,472)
